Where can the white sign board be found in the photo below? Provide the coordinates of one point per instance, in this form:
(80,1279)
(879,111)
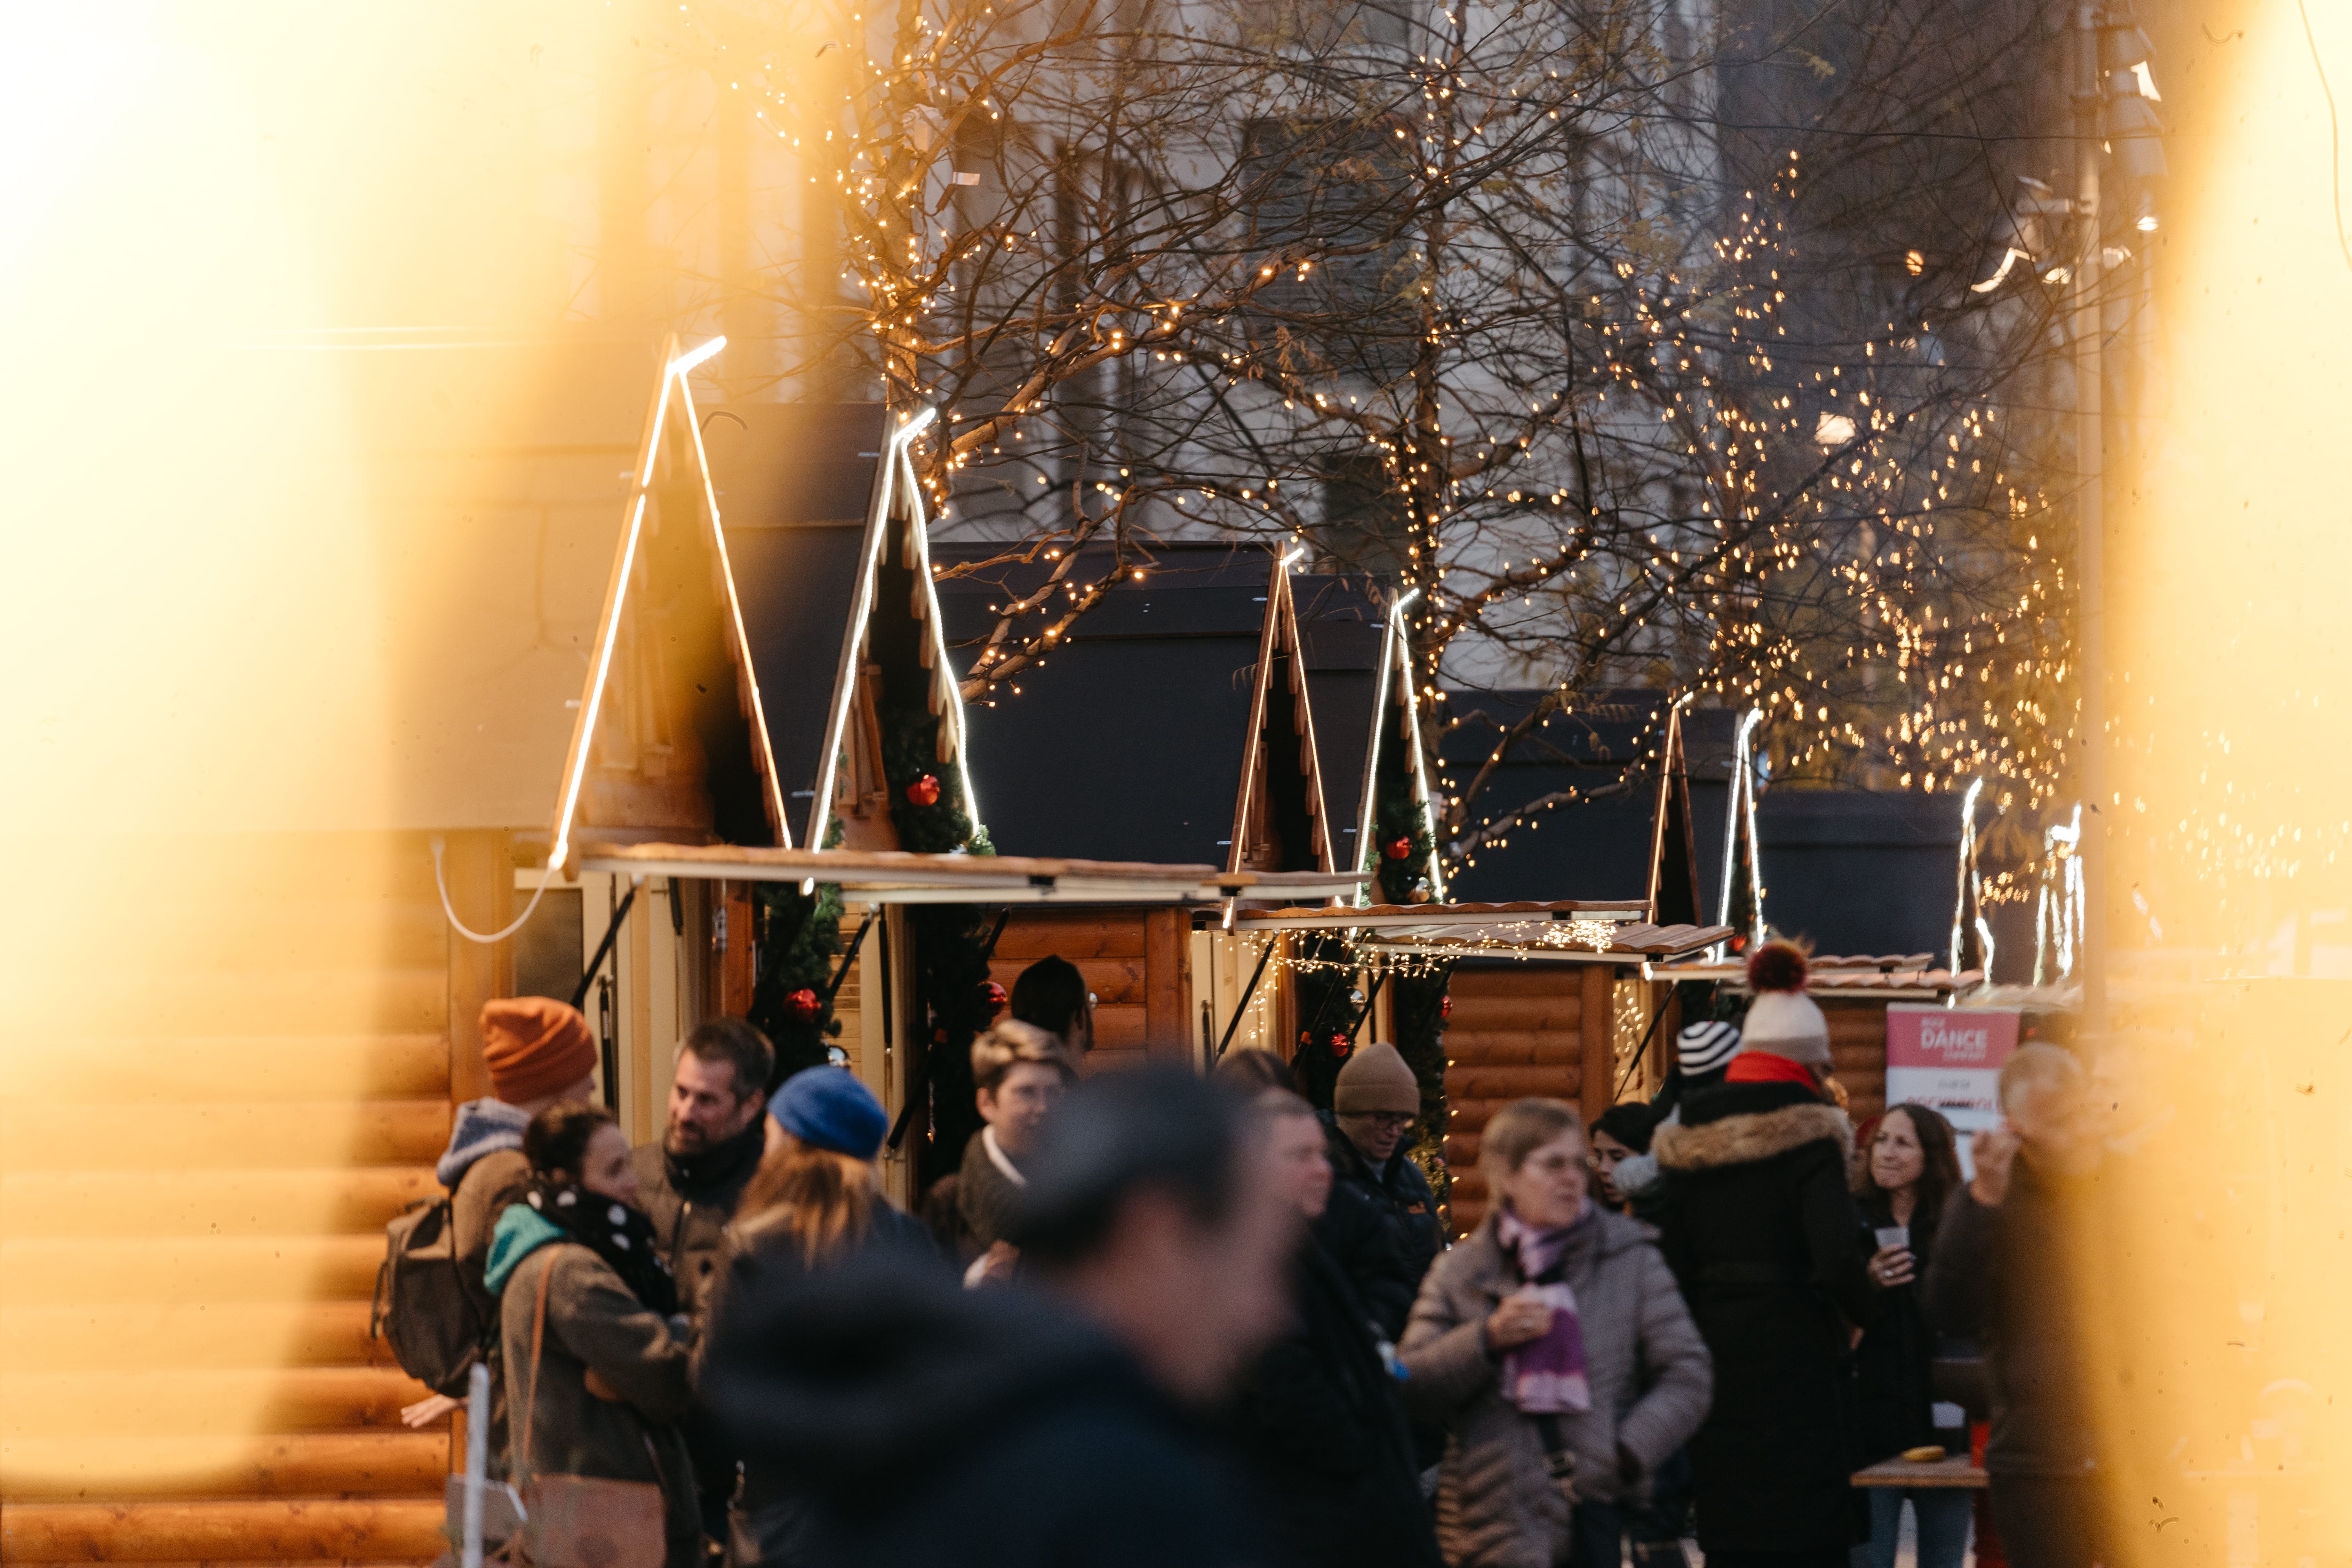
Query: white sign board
(1949,1059)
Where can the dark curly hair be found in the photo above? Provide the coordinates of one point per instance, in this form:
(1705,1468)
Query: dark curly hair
(1939,1175)
(557,1138)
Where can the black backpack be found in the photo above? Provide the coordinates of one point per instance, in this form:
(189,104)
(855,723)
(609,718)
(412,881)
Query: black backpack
(436,1326)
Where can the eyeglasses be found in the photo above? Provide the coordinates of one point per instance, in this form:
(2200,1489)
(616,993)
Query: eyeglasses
(1388,1121)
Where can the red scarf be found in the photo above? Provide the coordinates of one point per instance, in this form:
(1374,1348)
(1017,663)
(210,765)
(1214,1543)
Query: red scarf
(1762,1067)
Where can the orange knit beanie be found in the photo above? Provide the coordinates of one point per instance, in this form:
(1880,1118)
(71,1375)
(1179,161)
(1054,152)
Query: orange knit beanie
(535,1046)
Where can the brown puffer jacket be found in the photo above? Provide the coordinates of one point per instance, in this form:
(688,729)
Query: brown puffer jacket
(593,1322)
(1497,1506)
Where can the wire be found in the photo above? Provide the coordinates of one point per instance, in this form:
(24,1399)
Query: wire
(466,932)
(2334,137)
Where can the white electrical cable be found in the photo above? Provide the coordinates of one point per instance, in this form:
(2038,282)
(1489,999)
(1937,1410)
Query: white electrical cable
(468,932)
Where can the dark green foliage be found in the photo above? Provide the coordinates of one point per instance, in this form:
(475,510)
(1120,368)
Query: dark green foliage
(1398,815)
(796,934)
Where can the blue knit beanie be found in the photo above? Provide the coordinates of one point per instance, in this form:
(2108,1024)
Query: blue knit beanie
(831,1108)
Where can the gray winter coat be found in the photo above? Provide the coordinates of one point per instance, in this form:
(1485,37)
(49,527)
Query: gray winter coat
(594,1321)
(1498,1507)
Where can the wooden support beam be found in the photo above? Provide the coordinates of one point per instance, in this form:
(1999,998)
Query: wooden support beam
(479,874)
(1596,1026)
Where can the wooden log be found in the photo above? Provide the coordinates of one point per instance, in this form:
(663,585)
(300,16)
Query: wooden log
(1502,1084)
(1552,1012)
(1120,1028)
(1031,935)
(327,1464)
(221,1532)
(1512,980)
(217,1203)
(199,1403)
(1503,1048)
(127,1336)
(1114,982)
(56,1271)
(256,1068)
(179,1137)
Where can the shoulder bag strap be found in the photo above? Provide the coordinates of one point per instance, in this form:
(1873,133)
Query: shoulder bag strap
(538,1335)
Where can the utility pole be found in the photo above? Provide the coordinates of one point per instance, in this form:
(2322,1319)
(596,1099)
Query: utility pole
(2090,510)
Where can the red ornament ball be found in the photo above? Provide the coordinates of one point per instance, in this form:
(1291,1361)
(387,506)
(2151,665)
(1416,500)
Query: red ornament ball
(803,1005)
(993,994)
(1341,1045)
(1446,1006)
(924,791)
(1397,848)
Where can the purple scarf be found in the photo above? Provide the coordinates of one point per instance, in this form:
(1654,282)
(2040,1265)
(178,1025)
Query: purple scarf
(1547,1377)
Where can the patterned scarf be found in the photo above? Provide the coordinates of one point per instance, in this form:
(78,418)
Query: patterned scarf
(1549,1376)
(615,1231)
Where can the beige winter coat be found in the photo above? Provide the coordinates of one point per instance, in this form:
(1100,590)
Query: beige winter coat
(1498,1507)
(593,1322)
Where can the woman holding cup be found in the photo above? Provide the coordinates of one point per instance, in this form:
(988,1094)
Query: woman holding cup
(1910,1164)
(1552,1344)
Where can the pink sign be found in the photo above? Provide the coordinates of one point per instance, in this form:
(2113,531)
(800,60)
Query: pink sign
(1950,1059)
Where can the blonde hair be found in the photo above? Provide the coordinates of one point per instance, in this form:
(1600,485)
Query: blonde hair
(821,1199)
(997,1050)
(2038,1067)
(1519,1130)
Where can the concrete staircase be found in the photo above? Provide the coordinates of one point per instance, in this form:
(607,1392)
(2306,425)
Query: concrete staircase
(196,1168)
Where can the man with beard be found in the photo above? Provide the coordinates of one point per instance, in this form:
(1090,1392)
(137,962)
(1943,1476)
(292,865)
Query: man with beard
(689,1184)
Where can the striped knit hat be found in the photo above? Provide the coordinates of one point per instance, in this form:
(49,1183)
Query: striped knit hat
(1704,1047)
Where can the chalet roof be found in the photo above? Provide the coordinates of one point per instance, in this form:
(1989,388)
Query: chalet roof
(898,877)
(1615,931)
(668,735)
(794,484)
(1127,742)
(1898,975)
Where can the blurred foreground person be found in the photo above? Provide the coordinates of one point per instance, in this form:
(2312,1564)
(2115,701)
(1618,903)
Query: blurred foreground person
(2006,1253)
(1382,1221)
(1554,1346)
(1909,1167)
(1758,1222)
(815,1204)
(1249,1068)
(1323,1439)
(596,1359)
(1046,1423)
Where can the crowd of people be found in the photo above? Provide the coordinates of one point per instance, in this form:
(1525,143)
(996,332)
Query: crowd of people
(1157,1318)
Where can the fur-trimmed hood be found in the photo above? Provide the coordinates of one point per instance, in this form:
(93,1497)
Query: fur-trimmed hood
(1742,1139)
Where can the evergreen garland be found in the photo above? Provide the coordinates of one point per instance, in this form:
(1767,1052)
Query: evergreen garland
(795,936)
(951,941)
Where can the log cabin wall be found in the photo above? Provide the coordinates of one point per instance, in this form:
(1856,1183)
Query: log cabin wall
(1135,963)
(1520,1029)
(1858,1053)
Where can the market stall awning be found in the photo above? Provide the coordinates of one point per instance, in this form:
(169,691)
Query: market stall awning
(1879,976)
(1579,930)
(896,877)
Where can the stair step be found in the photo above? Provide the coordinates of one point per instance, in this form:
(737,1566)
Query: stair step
(124,1337)
(365,999)
(66,1271)
(349,1201)
(198,1136)
(221,1532)
(324,1464)
(263,1068)
(54,1405)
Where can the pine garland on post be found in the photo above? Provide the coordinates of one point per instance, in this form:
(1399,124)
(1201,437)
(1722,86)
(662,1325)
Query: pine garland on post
(796,935)
(950,959)
(1399,859)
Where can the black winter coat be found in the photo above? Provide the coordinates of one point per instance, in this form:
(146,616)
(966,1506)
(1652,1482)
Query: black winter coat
(921,1424)
(1382,1227)
(1763,1237)
(1323,1439)
(2002,1276)
(1893,1366)
(690,1199)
